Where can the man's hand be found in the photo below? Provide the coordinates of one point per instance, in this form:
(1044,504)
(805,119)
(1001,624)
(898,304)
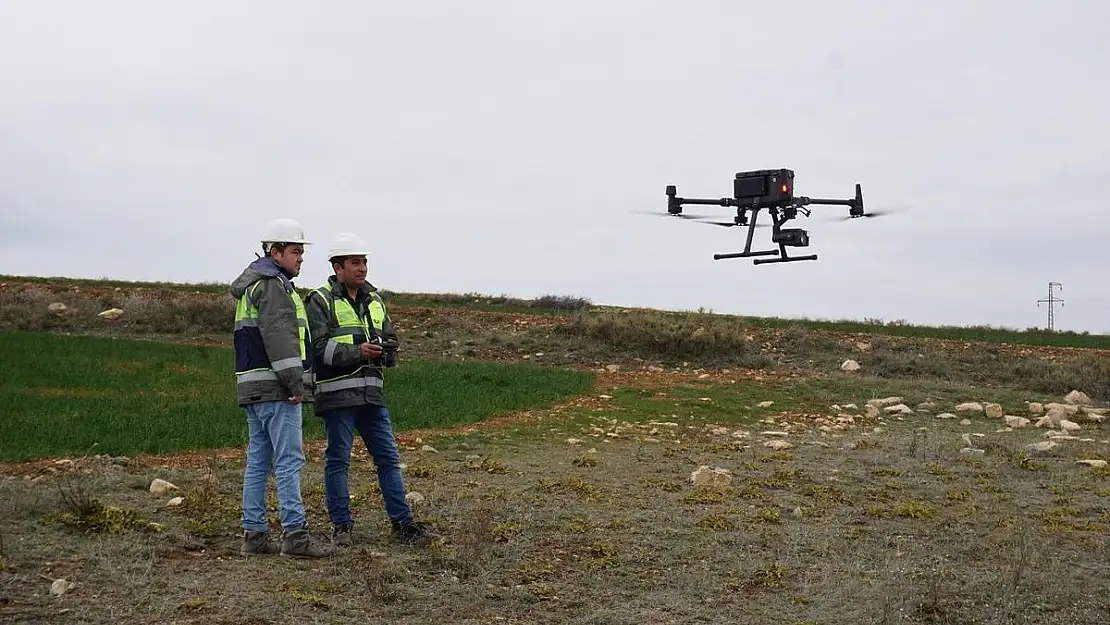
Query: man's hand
(369,351)
(296,399)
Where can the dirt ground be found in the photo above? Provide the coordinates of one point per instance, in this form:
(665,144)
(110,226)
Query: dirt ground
(586,513)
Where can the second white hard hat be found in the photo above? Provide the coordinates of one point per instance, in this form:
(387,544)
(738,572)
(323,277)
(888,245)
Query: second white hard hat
(347,244)
(283,230)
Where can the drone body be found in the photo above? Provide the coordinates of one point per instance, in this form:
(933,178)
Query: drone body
(771,189)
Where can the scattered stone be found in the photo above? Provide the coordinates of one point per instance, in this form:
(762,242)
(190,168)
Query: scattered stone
(414,497)
(1094,464)
(111,313)
(1077,398)
(1068,409)
(885,401)
(849,365)
(160,487)
(993,410)
(1069,426)
(710,476)
(898,408)
(1015,421)
(57,308)
(176,501)
(971,406)
(965,421)
(61,586)
(612,368)
(1041,447)
(766,404)
(1036,407)
(972,451)
(429,449)
(946,415)
(778,444)
(926,405)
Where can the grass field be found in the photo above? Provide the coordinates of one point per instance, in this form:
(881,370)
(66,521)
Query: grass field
(65,394)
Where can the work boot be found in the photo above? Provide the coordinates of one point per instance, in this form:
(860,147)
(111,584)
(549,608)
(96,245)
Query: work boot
(298,543)
(341,535)
(414,534)
(258,544)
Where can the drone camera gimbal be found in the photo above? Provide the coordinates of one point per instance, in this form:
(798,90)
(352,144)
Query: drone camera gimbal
(771,189)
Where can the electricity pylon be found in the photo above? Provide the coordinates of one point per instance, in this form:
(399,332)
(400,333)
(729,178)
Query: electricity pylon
(1051,300)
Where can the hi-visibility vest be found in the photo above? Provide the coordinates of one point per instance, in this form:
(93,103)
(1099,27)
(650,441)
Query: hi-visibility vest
(352,330)
(252,364)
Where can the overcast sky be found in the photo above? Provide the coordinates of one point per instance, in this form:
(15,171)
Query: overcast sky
(503,147)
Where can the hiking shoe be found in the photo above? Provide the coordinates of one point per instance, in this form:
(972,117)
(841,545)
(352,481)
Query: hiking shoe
(300,544)
(341,535)
(414,533)
(258,544)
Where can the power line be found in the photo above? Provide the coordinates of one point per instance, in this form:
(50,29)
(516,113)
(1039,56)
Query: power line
(1051,300)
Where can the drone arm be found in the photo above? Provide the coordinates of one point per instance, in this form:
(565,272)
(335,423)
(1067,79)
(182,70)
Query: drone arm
(708,202)
(803,201)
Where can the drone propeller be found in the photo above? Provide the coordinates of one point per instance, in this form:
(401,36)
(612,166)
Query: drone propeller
(869,214)
(672,215)
(729,224)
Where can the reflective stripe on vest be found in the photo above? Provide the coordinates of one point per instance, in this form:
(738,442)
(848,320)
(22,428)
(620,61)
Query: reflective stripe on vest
(352,330)
(252,364)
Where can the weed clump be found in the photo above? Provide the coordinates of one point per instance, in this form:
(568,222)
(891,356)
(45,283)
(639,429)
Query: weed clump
(672,338)
(81,511)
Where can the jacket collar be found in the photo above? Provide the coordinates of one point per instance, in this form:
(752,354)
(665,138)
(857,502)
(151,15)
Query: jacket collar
(341,291)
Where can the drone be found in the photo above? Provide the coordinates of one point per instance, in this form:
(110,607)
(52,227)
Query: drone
(771,189)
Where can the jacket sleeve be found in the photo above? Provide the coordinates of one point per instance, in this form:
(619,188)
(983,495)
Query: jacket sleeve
(389,333)
(277,323)
(325,349)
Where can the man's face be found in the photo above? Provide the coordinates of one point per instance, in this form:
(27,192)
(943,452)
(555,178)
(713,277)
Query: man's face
(289,258)
(352,273)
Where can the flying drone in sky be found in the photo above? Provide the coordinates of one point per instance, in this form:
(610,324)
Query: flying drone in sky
(773,190)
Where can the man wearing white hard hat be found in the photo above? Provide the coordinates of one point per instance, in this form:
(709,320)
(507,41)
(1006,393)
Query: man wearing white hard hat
(352,341)
(273,370)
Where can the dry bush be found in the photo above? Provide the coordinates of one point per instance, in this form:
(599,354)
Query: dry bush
(561,302)
(988,365)
(671,337)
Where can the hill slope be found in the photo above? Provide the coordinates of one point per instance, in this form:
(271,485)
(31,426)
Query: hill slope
(568,331)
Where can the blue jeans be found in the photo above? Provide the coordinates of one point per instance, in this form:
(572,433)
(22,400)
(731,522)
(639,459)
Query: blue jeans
(276,442)
(373,425)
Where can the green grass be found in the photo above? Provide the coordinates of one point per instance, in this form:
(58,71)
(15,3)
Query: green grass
(68,395)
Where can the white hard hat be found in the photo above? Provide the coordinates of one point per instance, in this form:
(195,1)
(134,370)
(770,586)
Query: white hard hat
(347,244)
(283,230)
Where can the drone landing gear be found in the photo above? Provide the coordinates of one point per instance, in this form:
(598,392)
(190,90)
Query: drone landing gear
(793,237)
(781,253)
